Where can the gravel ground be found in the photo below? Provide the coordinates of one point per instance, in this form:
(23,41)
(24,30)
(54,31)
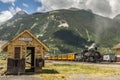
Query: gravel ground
(86,77)
(25,77)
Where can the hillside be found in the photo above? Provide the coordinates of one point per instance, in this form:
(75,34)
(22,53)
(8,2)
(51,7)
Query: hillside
(117,18)
(66,30)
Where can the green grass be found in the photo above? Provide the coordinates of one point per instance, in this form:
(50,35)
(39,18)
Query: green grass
(2,66)
(61,71)
(86,69)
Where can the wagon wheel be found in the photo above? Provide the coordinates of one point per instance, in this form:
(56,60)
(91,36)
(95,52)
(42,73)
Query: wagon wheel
(28,58)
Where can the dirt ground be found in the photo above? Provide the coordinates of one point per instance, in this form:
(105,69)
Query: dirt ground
(23,77)
(72,77)
(86,77)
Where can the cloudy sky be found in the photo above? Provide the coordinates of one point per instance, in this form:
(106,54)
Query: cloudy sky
(8,8)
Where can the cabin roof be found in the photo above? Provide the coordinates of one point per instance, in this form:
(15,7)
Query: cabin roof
(117,46)
(5,45)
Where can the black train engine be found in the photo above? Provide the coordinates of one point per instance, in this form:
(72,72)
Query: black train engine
(89,55)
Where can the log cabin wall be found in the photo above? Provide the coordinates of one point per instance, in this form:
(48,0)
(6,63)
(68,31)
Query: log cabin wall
(118,55)
(117,49)
(23,46)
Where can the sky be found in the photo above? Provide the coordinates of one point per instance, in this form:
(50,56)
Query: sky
(106,8)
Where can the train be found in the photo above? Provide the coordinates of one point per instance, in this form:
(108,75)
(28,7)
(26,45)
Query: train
(85,56)
(88,55)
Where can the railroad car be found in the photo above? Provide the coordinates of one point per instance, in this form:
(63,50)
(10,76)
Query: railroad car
(55,57)
(71,56)
(109,57)
(49,57)
(64,56)
(59,57)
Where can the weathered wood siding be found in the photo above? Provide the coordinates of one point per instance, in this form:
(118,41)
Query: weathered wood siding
(39,53)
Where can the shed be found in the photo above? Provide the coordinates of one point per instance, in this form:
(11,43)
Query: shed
(23,45)
(117,48)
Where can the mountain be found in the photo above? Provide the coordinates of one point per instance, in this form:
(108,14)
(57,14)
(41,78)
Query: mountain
(66,30)
(117,18)
(19,14)
(74,9)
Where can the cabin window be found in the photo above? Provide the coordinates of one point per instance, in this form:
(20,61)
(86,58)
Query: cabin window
(17,52)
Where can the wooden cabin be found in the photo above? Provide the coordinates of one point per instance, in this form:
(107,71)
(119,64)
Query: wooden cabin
(117,48)
(22,46)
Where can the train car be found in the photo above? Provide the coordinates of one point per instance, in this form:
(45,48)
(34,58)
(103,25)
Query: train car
(109,57)
(71,56)
(59,57)
(64,56)
(55,57)
(49,58)
(52,57)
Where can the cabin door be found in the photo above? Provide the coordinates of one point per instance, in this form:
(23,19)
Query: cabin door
(31,57)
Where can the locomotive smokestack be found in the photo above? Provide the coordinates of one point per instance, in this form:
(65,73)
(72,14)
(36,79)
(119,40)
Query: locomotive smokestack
(93,47)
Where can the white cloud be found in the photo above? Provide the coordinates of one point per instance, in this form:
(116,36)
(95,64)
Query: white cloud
(5,15)
(115,5)
(40,9)
(25,5)
(56,4)
(43,9)
(12,10)
(101,7)
(7,1)
(108,8)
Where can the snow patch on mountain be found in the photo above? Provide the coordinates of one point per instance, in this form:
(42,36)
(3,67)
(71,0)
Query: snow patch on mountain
(33,25)
(39,35)
(52,17)
(63,24)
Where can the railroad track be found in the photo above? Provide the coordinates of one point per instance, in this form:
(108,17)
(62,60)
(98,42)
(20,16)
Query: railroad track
(102,64)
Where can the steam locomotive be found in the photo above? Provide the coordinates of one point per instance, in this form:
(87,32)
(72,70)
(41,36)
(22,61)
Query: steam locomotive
(89,55)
